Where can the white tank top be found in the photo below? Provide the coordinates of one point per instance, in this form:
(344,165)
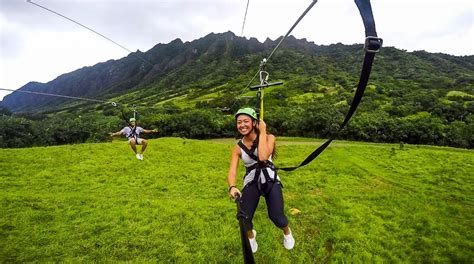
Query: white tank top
(248,162)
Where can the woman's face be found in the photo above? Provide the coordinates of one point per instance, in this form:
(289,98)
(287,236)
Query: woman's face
(244,124)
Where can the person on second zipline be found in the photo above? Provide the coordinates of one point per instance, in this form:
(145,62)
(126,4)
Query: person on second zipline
(256,149)
(132,132)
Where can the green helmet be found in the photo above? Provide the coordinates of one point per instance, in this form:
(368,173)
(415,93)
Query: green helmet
(132,119)
(247,111)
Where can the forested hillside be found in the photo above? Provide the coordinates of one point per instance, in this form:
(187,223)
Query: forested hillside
(191,89)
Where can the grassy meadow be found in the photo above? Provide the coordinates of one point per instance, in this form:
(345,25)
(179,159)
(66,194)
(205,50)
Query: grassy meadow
(359,203)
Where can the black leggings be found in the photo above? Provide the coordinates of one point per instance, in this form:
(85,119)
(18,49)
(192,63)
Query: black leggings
(273,197)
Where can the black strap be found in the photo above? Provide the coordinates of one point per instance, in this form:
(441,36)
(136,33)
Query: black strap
(259,166)
(122,112)
(133,133)
(243,218)
(250,152)
(372,46)
(123,115)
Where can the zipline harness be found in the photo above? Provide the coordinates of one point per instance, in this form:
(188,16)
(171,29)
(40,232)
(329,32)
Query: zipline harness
(260,167)
(133,130)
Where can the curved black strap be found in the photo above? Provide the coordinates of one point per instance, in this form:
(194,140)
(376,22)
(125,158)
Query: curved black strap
(246,248)
(250,152)
(372,46)
(123,115)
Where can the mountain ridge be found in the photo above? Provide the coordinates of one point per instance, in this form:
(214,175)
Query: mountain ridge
(191,89)
(173,67)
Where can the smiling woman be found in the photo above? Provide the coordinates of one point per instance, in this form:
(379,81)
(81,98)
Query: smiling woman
(256,149)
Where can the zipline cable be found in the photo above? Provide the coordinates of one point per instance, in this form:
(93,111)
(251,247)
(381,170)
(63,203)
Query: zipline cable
(60,95)
(284,37)
(245,18)
(293,27)
(278,45)
(120,106)
(90,29)
(91,100)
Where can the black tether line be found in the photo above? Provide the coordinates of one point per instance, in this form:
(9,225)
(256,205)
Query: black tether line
(246,248)
(123,116)
(372,46)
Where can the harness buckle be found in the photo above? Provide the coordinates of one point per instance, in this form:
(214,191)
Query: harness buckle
(373,44)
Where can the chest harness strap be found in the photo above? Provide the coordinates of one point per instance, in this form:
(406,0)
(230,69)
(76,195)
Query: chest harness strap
(133,134)
(259,167)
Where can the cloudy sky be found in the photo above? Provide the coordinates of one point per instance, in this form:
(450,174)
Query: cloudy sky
(37,45)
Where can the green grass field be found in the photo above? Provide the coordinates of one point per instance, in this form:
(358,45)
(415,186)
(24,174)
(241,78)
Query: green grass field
(360,203)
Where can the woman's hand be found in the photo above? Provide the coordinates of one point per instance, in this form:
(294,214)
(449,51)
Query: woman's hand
(262,126)
(234,192)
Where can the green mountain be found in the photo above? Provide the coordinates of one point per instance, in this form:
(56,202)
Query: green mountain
(224,63)
(414,97)
(164,69)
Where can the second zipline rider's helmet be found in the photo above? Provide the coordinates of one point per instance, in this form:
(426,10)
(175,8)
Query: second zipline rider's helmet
(132,119)
(247,111)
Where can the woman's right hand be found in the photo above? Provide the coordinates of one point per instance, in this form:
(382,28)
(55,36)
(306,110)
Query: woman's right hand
(234,192)
(262,127)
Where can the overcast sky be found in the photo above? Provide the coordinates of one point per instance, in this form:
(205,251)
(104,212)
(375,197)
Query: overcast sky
(37,45)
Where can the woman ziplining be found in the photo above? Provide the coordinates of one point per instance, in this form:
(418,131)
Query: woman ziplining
(256,149)
(256,154)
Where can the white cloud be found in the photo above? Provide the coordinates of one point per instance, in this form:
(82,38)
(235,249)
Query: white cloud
(37,45)
(43,59)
